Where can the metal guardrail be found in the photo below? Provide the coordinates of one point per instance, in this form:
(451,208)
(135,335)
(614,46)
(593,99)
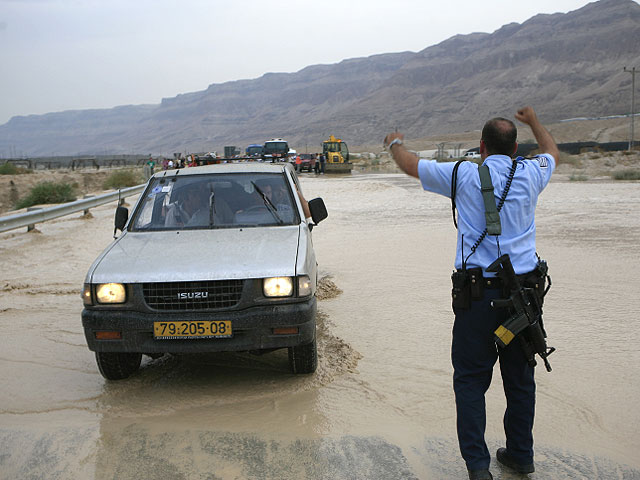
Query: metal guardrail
(30,218)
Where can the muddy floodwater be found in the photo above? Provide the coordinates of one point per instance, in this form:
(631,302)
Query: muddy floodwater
(381,403)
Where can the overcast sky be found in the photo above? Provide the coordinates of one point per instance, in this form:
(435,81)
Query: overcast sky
(75,54)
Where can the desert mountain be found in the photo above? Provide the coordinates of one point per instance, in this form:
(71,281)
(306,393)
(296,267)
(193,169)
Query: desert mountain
(566,65)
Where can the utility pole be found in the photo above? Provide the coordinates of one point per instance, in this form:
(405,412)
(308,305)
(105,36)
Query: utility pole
(633,102)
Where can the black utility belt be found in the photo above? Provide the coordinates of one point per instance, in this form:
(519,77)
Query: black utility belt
(469,284)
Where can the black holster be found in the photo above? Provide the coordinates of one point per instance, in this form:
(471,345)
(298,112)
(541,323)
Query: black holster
(467,285)
(538,279)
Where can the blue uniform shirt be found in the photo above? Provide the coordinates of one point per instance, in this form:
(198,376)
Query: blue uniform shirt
(517,216)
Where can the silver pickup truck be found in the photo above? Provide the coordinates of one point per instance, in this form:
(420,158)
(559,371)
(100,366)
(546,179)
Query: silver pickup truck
(213,259)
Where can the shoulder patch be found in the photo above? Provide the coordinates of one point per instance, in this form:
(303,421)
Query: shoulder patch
(542,160)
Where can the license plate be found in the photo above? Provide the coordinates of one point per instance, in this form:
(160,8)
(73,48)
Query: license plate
(189,330)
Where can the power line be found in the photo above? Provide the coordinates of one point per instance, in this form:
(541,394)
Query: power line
(633,102)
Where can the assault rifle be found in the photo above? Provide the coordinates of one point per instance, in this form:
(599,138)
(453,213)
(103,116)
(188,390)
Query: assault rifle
(526,319)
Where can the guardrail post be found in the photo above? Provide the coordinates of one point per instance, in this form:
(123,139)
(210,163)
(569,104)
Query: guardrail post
(86,211)
(33,225)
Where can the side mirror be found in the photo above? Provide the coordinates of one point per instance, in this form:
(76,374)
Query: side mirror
(122,215)
(318,210)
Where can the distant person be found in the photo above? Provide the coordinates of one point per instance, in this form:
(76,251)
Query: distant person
(151,164)
(320,164)
(474,351)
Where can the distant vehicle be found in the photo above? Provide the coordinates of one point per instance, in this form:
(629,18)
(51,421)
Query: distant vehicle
(231,151)
(275,150)
(240,275)
(471,155)
(254,150)
(336,155)
(305,161)
(210,158)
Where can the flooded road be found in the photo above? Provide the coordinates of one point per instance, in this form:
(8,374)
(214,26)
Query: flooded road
(381,404)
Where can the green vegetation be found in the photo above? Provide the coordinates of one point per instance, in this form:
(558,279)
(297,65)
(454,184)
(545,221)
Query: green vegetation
(123,179)
(11,169)
(578,178)
(627,174)
(48,192)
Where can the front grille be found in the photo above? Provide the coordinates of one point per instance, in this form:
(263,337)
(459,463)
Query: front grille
(193,295)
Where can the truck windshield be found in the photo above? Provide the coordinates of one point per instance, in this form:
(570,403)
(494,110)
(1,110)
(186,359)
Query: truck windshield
(276,147)
(216,201)
(331,147)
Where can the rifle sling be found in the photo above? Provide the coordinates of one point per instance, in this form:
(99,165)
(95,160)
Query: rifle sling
(490,210)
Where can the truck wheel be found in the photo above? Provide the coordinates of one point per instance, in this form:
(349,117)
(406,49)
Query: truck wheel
(304,358)
(116,365)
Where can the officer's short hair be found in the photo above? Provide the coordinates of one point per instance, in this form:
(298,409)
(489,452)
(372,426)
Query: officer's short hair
(499,136)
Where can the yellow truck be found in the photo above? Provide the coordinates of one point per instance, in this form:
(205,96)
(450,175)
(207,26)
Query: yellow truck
(336,154)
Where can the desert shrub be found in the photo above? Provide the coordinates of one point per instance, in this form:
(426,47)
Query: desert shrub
(11,169)
(627,174)
(48,192)
(578,178)
(123,179)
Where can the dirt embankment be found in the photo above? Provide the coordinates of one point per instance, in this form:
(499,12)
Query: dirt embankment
(583,167)
(594,130)
(15,187)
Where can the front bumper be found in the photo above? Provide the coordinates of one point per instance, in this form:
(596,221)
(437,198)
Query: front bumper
(252,329)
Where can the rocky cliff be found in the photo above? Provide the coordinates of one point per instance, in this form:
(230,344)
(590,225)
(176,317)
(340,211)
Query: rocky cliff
(566,65)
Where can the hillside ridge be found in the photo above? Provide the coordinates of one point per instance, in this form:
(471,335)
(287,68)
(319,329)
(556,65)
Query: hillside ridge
(566,65)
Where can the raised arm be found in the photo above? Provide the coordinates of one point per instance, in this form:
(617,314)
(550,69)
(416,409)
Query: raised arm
(545,141)
(304,203)
(407,161)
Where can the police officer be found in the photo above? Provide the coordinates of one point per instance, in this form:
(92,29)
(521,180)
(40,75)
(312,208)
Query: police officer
(473,351)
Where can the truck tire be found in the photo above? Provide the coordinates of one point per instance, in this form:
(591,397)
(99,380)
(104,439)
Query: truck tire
(117,365)
(304,358)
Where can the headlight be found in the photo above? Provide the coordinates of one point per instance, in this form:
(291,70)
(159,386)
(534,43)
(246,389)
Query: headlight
(111,293)
(277,287)
(304,286)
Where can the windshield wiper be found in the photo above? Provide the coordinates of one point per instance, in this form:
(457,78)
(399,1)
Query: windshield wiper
(212,207)
(270,206)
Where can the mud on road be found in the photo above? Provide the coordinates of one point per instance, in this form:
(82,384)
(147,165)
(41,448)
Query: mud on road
(380,405)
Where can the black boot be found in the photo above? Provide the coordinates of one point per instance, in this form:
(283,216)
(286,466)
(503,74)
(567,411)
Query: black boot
(505,459)
(480,475)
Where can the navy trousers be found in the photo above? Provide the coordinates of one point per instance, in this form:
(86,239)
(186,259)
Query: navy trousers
(473,354)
